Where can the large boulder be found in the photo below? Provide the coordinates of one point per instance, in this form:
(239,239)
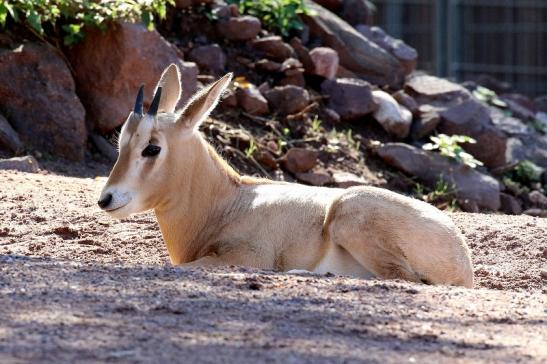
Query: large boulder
(37,94)
(357,54)
(357,12)
(394,118)
(468,183)
(110,66)
(473,119)
(351,98)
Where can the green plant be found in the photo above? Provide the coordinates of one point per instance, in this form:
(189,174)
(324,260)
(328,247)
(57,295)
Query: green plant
(67,18)
(526,172)
(251,149)
(488,96)
(315,124)
(352,143)
(449,146)
(281,16)
(443,194)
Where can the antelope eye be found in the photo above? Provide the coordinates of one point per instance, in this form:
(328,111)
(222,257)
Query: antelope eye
(151,151)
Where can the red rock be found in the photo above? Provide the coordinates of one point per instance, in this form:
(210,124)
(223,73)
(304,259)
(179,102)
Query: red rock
(209,57)
(9,138)
(314,178)
(37,92)
(303,55)
(346,180)
(242,28)
(273,47)
(23,164)
(251,100)
(427,122)
(357,12)
(268,65)
(325,62)
(407,101)
(288,99)
(299,160)
(350,98)
(266,159)
(110,66)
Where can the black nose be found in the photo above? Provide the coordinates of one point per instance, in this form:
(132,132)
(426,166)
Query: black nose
(105,201)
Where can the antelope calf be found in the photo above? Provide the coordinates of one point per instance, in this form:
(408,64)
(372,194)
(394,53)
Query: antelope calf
(209,215)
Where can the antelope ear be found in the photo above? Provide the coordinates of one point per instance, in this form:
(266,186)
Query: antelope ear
(201,105)
(171,89)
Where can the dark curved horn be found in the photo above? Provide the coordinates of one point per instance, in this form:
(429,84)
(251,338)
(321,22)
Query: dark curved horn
(138,109)
(153,110)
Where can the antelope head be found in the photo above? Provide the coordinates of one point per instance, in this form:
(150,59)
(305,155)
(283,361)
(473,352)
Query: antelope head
(157,145)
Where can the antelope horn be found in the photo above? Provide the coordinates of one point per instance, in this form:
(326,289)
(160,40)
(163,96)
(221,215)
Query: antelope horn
(139,101)
(153,110)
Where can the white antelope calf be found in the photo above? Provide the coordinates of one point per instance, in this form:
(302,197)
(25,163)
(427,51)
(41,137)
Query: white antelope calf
(209,215)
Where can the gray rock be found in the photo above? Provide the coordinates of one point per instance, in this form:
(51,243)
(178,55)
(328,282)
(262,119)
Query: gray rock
(407,101)
(314,178)
(325,61)
(521,106)
(430,167)
(427,122)
(394,118)
(540,103)
(532,147)
(357,54)
(351,98)
(357,12)
(346,180)
(23,164)
(38,95)
(436,91)
(288,99)
(9,138)
(510,204)
(538,199)
(473,119)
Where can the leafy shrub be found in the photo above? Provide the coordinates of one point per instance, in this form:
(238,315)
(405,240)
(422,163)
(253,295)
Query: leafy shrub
(67,18)
(526,172)
(449,146)
(280,16)
(488,96)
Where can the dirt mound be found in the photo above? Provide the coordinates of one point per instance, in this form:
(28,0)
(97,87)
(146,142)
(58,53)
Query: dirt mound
(76,285)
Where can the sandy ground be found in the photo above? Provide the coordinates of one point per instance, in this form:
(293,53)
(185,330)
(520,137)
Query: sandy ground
(77,286)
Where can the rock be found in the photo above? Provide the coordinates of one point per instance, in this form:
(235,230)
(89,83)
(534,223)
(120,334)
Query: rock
(251,100)
(268,65)
(426,123)
(521,106)
(286,100)
(407,101)
(209,57)
(538,199)
(510,204)
(299,160)
(329,115)
(110,67)
(37,93)
(325,61)
(314,178)
(395,119)
(405,54)
(332,5)
(350,98)
(104,146)
(493,84)
(228,99)
(532,147)
(346,180)
(430,167)
(23,164)
(273,47)
(295,78)
(291,64)
(242,28)
(508,124)
(540,103)
(357,12)
(266,158)
(435,91)
(9,138)
(536,212)
(181,4)
(472,118)
(357,53)
(468,205)
(303,55)
(189,79)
